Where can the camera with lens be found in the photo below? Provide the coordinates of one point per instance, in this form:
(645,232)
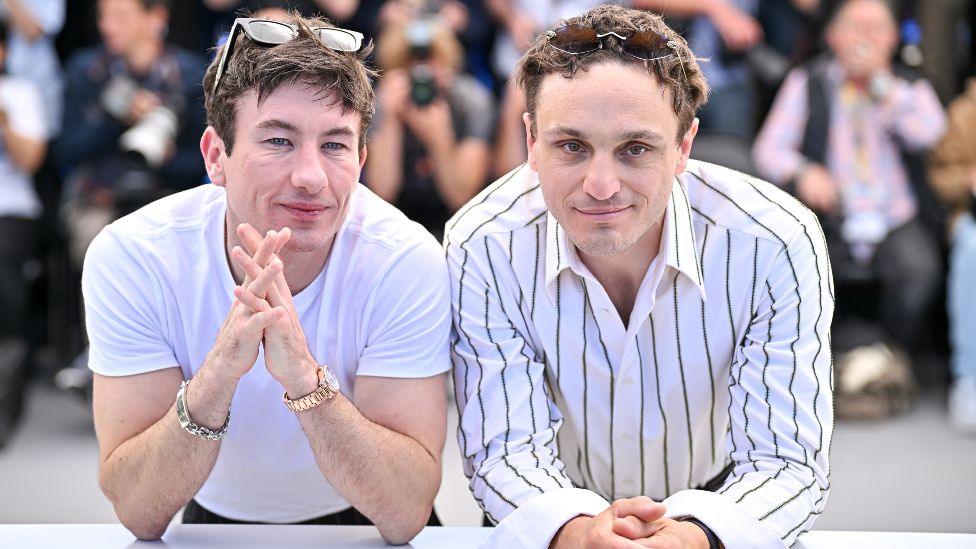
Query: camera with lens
(420,37)
(150,138)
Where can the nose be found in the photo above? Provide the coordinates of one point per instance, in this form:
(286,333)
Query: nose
(600,180)
(309,172)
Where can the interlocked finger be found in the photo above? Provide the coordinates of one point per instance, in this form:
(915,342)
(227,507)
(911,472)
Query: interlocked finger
(251,301)
(253,270)
(264,279)
(258,322)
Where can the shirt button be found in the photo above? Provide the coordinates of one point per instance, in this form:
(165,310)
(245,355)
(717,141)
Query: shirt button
(605,313)
(628,381)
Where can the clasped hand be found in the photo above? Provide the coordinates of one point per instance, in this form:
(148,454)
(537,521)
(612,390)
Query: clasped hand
(263,312)
(633,522)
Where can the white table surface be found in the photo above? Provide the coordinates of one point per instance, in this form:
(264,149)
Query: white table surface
(199,536)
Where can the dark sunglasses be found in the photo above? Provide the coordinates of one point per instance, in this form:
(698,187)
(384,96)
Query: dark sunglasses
(643,44)
(273,33)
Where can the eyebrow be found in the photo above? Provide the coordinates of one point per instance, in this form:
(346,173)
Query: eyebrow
(276,124)
(645,135)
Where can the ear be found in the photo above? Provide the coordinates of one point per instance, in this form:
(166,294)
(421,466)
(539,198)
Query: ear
(362,156)
(529,139)
(212,149)
(684,148)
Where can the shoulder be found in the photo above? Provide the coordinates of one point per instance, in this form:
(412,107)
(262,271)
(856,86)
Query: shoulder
(376,227)
(165,221)
(469,90)
(511,203)
(742,203)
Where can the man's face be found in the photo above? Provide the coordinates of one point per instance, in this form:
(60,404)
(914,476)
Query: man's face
(606,153)
(295,163)
(863,36)
(124,24)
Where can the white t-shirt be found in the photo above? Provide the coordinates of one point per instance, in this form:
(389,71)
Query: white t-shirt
(157,288)
(21,100)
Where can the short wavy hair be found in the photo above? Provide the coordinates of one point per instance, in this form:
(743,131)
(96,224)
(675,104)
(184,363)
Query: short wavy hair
(679,74)
(340,76)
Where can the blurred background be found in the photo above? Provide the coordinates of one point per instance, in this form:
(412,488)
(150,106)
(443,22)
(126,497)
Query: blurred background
(860,108)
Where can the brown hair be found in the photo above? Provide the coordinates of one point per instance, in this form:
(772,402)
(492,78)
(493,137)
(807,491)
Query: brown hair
(679,74)
(341,76)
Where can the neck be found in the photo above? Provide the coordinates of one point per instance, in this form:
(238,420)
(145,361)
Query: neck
(621,275)
(141,57)
(300,267)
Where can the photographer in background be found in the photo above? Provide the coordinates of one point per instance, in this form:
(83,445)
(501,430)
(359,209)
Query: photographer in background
(132,119)
(847,134)
(428,150)
(23,134)
(32,27)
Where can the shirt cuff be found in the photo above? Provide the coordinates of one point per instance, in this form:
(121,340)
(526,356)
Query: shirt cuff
(735,528)
(536,521)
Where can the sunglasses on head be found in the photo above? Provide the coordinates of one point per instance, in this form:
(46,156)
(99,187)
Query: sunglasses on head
(272,33)
(580,40)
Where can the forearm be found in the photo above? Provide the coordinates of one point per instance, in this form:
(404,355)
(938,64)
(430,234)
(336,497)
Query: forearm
(26,154)
(384,167)
(914,114)
(354,455)
(149,477)
(23,20)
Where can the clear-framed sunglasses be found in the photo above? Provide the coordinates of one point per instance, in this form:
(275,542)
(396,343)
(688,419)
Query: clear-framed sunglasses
(273,33)
(580,40)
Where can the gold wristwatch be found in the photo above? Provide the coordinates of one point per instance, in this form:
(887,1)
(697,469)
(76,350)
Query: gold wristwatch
(328,387)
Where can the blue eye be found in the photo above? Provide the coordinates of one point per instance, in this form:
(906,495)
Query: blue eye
(637,150)
(572,147)
(277,142)
(333,146)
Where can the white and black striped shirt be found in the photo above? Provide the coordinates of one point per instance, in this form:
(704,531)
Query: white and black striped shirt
(726,360)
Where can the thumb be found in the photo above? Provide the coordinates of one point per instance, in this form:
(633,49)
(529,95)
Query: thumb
(642,507)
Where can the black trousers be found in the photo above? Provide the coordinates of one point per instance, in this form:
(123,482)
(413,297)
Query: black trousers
(194,513)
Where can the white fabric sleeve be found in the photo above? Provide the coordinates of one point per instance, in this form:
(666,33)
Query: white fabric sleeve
(508,421)
(408,318)
(49,15)
(781,407)
(25,110)
(123,310)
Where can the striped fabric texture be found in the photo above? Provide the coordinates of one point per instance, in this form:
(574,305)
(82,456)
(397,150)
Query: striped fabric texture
(726,359)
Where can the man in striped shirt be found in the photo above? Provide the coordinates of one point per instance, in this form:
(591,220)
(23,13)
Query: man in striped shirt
(635,327)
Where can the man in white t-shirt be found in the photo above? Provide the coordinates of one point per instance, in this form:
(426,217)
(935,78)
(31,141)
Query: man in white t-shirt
(23,134)
(313,355)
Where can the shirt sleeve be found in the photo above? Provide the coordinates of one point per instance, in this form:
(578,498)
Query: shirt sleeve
(776,151)
(914,114)
(25,109)
(508,421)
(408,323)
(781,408)
(49,15)
(123,311)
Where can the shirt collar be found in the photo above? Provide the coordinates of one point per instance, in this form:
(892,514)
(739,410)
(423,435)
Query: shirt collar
(677,243)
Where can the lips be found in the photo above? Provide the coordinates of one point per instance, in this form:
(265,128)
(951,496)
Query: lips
(602,213)
(304,210)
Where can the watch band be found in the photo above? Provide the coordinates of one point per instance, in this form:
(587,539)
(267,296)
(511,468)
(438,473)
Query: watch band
(193,428)
(327,388)
(713,542)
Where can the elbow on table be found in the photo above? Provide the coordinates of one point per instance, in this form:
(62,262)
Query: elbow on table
(142,529)
(403,528)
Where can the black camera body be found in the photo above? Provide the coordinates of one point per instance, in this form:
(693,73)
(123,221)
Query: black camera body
(420,36)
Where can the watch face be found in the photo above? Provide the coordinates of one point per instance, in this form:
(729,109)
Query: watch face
(330,379)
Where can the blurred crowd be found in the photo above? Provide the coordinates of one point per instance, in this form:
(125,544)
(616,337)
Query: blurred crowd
(858,108)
